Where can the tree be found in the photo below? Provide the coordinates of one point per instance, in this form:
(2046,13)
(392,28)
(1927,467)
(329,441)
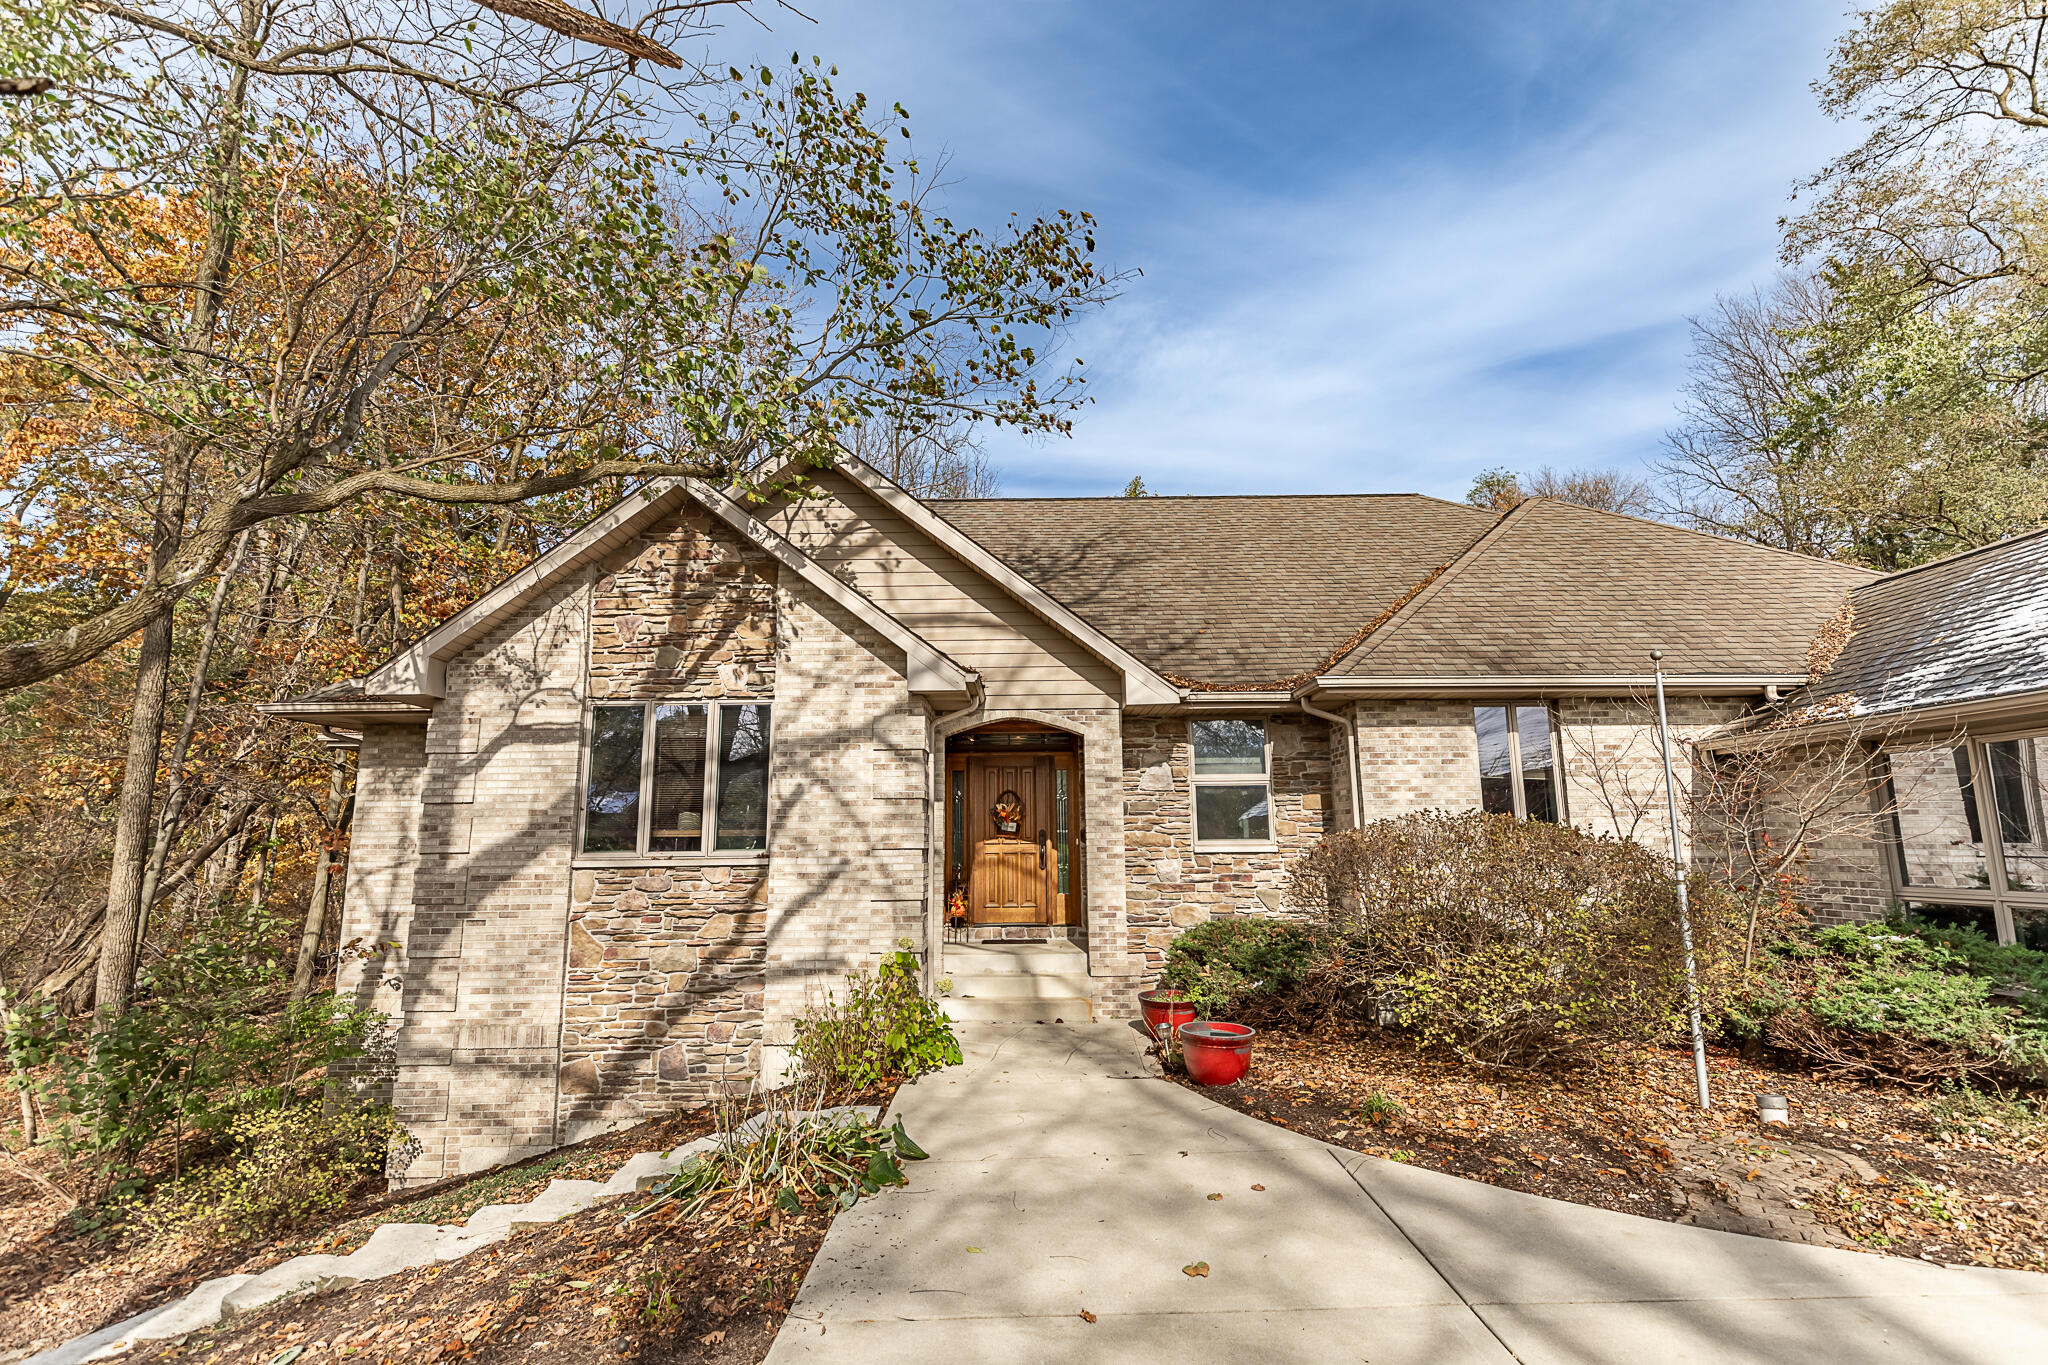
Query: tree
(1884,403)
(927,455)
(1136,488)
(1603,490)
(1846,414)
(288,257)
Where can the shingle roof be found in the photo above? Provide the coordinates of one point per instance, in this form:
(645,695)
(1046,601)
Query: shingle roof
(1558,589)
(1966,628)
(1224,590)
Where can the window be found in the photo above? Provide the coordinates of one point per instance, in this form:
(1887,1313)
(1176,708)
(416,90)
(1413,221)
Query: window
(1518,762)
(668,778)
(1233,786)
(1967,833)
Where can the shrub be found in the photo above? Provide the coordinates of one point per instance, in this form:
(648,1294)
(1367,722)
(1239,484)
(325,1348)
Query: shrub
(884,1026)
(1515,942)
(209,1039)
(790,1154)
(2018,973)
(1873,1002)
(287,1167)
(1257,970)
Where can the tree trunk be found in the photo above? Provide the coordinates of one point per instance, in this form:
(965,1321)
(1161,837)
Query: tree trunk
(119,939)
(323,876)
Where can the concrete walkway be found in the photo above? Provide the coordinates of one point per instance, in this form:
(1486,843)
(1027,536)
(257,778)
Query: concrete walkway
(1065,1179)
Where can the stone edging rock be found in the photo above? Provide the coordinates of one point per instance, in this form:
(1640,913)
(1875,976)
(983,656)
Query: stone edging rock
(392,1247)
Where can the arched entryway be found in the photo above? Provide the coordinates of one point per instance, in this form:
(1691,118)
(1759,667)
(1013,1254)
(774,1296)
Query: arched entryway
(1015,833)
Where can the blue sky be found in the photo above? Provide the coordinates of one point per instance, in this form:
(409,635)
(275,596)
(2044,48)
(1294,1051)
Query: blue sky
(1385,245)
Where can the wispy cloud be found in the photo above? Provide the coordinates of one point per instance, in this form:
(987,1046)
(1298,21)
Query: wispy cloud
(1378,253)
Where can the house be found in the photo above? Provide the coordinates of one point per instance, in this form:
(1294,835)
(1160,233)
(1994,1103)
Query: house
(1929,719)
(619,819)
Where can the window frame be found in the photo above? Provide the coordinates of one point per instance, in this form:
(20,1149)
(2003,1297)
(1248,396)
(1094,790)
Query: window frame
(641,854)
(1999,896)
(1519,795)
(1264,778)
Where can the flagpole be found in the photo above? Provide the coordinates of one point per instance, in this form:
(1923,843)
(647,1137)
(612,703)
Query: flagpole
(1692,980)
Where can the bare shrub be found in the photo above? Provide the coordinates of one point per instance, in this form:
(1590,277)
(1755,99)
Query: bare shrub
(1516,942)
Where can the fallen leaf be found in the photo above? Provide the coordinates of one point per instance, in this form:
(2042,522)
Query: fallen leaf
(1215,1196)
(712,1338)
(1199,1270)
(1087,1316)
(1259,1187)
(288,1355)
(974,1251)
(579,1284)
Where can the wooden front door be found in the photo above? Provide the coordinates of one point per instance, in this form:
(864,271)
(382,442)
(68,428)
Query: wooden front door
(1013,871)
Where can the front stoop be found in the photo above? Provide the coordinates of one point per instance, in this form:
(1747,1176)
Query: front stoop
(1018,983)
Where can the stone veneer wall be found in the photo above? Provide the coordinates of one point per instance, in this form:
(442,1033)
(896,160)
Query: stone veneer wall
(667,973)
(667,960)
(1168,885)
(686,611)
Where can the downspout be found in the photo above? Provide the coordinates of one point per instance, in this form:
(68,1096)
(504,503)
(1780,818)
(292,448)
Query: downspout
(1350,756)
(935,782)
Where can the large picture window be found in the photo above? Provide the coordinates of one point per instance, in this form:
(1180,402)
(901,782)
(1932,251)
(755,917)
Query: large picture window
(1518,762)
(1233,786)
(1968,843)
(668,778)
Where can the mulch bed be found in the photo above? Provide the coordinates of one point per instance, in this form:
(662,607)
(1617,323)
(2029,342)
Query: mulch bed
(711,1288)
(57,1283)
(1861,1166)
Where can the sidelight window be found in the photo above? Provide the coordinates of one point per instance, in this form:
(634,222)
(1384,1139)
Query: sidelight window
(670,778)
(1518,762)
(1232,783)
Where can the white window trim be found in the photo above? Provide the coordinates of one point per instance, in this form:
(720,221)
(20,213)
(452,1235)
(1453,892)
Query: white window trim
(708,856)
(1997,897)
(1519,797)
(1196,781)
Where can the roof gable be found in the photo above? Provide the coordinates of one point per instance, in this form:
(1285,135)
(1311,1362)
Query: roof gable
(1561,591)
(419,674)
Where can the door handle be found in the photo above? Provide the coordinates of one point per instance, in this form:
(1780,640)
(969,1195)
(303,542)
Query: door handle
(1041,850)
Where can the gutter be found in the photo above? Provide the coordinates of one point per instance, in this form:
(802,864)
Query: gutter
(1350,756)
(1553,684)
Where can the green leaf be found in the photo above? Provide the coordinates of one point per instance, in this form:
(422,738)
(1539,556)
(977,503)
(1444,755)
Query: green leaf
(787,1201)
(905,1147)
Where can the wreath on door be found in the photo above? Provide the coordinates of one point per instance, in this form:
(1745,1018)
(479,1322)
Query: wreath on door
(1008,813)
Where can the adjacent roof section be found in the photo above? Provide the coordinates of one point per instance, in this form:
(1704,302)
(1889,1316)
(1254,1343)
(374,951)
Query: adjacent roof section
(1224,591)
(1557,591)
(1969,628)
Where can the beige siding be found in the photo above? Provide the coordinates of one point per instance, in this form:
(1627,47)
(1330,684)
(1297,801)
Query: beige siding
(1023,660)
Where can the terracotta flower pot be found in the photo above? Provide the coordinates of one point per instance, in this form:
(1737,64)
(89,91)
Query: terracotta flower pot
(1165,1007)
(1216,1054)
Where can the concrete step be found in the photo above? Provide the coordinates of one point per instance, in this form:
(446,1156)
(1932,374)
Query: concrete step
(1022,959)
(1018,986)
(1010,1010)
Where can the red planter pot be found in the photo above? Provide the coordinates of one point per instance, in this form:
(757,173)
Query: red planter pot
(1216,1054)
(1165,1008)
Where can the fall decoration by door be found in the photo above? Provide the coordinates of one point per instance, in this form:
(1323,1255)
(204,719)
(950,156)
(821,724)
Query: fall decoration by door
(1008,813)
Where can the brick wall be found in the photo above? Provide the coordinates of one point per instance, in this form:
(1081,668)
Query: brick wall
(481,958)
(1168,886)
(1415,755)
(847,808)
